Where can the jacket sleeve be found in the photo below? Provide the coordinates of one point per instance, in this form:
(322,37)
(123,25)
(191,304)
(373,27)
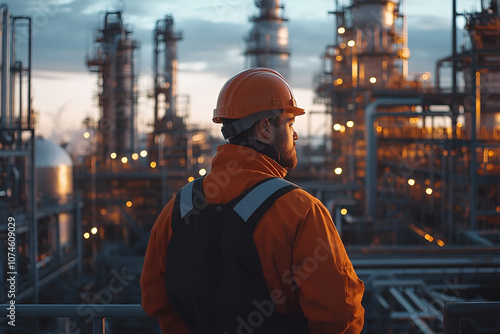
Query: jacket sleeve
(329,290)
(154,297)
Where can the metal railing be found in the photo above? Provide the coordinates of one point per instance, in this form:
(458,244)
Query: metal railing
(453,313)
(97,312)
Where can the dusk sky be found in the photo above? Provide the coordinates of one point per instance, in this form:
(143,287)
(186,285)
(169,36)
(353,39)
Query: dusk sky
(64,91)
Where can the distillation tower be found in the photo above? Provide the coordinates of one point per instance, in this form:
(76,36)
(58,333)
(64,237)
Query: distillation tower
(113,59)
(267,42)
(169,141)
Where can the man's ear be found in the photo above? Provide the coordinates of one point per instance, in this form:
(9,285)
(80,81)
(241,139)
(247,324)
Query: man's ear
(264,131)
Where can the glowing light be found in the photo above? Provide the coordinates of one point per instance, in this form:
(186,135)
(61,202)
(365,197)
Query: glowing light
(338,58)
(337,82)
(440,242)
(190,179)
(373,80)
(491,153)
(202,172)
(459,125)
(113,155)
(93,230)
(379,128)
(86,135)
(152,164)
(338,171)
(201,160)
(129,204)
(336,127)
(429,237)
(103,212)
(124,160)
(341,30)
(144,153)
(343,212)
(351,43)
(427,181)
(342,45)
(349,124)
(428,191)
(411,182)
(135,156)
(498,208)
(86,235)
(342,129)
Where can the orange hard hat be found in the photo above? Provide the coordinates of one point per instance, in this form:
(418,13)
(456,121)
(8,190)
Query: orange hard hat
(252,91)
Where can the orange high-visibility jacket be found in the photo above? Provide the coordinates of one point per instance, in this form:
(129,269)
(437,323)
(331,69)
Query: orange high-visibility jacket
(302,256)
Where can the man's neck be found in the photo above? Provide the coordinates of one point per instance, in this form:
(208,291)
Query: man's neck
(261,147)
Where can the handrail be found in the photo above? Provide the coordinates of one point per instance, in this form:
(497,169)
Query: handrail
(97,312)
(454,311)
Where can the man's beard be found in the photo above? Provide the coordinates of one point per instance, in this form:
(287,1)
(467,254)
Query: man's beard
(288,156)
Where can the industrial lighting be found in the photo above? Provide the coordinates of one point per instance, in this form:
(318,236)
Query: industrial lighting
(135,156)
(152,164)
(429,237)
(93,230)
(373,80)
(190,179)
(86,235)
(202,172)
(440,242)
(459,125)
(379,128)
(351,43)
(349,124)
(336,127)
(338,171)
(411,182)
(428,191)
(338,58)
(129,204)
(144,153)
(86,135)
(124,160)
(341,30)
(343,212)
(113,155)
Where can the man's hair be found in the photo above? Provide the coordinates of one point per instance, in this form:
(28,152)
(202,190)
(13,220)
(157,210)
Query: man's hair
(246,135)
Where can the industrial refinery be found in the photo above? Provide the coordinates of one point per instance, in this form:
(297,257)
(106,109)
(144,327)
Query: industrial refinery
(409,169)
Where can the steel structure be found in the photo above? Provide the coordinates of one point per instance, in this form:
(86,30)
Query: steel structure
(267,42)
(418,164)
(113,58)
(37,204)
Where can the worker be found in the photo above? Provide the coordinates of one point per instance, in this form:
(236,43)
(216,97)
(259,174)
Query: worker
(272,261)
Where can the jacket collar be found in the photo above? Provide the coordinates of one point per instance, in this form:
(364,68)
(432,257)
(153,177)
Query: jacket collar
(254,158)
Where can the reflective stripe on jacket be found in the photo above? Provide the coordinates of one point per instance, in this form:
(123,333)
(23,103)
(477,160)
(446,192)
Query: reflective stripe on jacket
(302,256)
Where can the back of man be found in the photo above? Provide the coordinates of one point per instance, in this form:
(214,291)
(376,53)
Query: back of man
(303,260)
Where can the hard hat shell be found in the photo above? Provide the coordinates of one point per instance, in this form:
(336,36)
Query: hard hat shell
(254,90)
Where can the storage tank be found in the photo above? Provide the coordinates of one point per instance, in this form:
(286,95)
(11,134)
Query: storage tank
(54,173)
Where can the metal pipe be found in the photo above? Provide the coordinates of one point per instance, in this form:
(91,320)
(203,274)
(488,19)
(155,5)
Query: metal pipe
(454,48)
(473,143)
(371,140)
(5,90)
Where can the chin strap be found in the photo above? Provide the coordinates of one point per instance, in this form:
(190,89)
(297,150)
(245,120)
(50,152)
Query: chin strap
(231,130)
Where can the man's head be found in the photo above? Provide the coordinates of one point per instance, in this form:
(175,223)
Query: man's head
(258,104)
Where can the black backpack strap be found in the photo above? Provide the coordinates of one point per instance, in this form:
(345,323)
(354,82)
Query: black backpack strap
(188,198)
(260,198)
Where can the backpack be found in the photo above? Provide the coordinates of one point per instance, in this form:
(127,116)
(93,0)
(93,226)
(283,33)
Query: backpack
(214,279)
